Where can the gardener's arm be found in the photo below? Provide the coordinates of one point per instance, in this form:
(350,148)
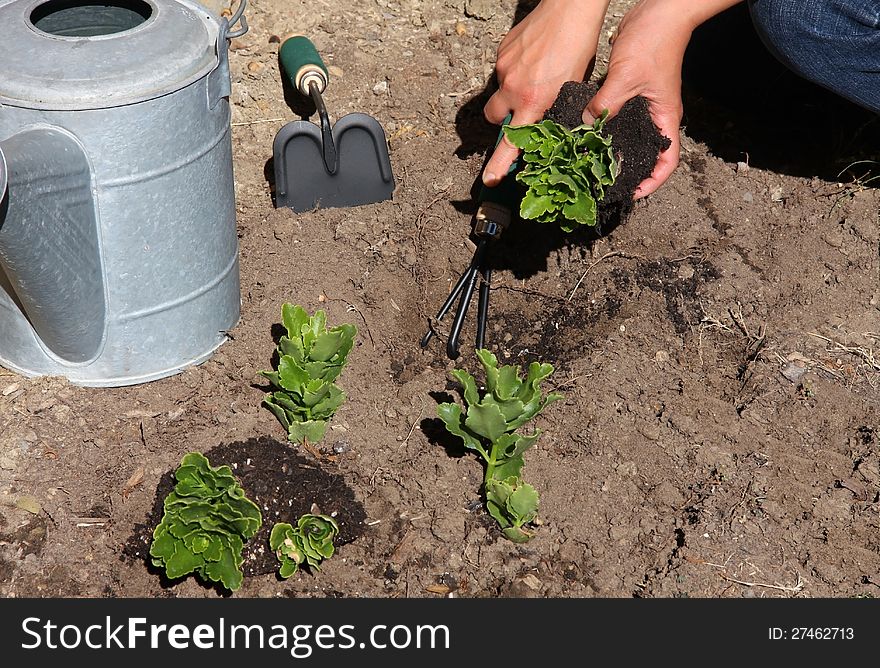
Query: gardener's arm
(646,59)
(555,43)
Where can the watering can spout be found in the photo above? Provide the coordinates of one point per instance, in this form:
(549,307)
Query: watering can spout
(50,259)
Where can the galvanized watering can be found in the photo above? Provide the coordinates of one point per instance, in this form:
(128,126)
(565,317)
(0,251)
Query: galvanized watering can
(118,245)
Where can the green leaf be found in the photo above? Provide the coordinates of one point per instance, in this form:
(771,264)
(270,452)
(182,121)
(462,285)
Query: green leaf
(511,409)
(452,417)
(517,535)
(486,420)
(523,503)
(294,319)
(293,377)
(513,445)
(163,544)
(182,562)
(498,512)
(469,386)
(533,206)
(311,430)
(519,136)
(326,345)
(508,382)
(292,348)
(583,209)
(272,404)
(288,568)
(225,571)
(509,468)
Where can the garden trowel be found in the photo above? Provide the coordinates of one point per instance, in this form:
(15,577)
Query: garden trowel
(320,167)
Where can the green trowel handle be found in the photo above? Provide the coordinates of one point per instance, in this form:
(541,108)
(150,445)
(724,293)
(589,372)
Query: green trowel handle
(301,63)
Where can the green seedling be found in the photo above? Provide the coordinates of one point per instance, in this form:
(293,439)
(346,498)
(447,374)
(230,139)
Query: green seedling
(310,542)
(207,521)
(487,425)
(566,171)
(310,358)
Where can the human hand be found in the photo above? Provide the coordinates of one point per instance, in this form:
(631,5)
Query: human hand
(646,59)
(555,43)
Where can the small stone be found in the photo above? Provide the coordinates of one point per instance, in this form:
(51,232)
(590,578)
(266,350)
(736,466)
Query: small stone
(742,167)
(667,494)
(29,504)
(748,197)
(9,389)
(661,356)
(254,67)
(833,238)
(686,272)
(341,446)
(380,88)
(460,29)
(335,71)
(628,469)
(793,372)
(532,582)
(480,9)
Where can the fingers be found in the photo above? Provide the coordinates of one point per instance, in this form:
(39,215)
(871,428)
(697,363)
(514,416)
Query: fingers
(666,164)
(667,123)
(611,97)
(505,153)
(499,164)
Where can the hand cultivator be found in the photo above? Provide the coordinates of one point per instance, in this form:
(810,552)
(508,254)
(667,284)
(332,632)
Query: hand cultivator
(494,211)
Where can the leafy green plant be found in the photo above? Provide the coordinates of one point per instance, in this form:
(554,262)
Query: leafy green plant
(566,171)
(487,425)
(310,358)
(310,542)
(206,523)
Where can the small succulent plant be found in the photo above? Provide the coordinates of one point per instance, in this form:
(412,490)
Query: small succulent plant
(206,523)
(309,542)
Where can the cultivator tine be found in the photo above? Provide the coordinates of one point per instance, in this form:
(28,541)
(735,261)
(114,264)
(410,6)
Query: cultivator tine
(491,219)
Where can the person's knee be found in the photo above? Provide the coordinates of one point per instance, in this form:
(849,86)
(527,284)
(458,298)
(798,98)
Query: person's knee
(833,43)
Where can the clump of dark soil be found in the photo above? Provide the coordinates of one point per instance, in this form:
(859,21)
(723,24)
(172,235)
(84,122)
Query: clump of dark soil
(636,141)
(282,483)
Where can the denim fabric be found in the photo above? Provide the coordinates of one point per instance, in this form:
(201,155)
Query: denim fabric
(834,43)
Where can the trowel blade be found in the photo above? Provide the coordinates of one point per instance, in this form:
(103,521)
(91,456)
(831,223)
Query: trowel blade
(363,176)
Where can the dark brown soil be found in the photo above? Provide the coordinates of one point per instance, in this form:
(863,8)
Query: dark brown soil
(636,141)
(284,485)
(719,434)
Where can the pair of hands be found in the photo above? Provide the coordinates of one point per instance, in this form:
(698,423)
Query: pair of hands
(557,42)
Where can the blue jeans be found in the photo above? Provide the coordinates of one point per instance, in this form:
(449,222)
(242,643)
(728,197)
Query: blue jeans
(834,43)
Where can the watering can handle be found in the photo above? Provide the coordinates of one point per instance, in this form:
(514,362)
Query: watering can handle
(302,64)
(235,18)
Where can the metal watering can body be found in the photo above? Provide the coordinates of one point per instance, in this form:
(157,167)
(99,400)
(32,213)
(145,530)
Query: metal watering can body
(118,244)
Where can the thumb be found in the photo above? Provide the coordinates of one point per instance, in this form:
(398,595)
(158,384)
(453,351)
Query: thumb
(611,96)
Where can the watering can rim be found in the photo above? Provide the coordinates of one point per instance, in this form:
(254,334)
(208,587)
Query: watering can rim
(162,55)
(3,178)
